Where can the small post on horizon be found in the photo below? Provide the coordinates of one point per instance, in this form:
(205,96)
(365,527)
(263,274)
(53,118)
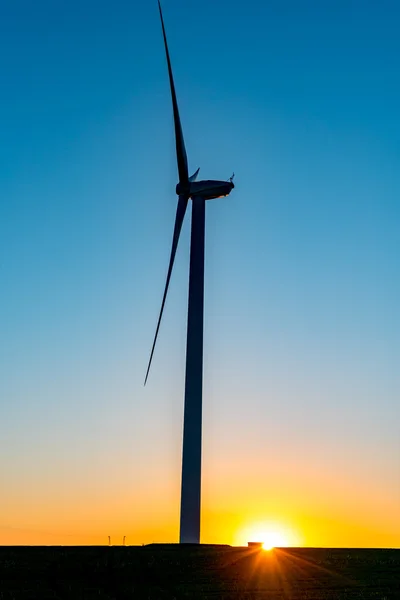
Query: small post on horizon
(192,425)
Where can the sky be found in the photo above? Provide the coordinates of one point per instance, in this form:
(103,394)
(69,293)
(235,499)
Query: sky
(302,332)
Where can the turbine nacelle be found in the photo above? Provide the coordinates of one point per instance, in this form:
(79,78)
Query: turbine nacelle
(207,189)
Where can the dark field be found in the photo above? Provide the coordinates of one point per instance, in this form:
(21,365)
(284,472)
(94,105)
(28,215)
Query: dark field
(167,572)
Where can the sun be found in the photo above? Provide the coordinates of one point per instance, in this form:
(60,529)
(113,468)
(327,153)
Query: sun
(272,539)
(271,535)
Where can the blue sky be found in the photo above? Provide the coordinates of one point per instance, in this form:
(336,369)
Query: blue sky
(302,335)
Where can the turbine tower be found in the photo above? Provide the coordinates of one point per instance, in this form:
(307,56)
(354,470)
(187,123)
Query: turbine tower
(198,192)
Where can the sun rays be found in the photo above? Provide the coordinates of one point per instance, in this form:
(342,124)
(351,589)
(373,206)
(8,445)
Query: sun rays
(281,571)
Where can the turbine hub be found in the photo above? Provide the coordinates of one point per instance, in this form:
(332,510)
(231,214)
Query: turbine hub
(182,189)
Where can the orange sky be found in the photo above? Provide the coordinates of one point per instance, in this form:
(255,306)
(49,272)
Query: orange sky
(313,509)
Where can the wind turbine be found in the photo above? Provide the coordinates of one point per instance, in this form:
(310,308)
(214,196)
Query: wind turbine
(198,192)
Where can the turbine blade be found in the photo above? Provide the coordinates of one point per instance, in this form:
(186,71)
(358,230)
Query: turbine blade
(180,215)
(194,176)
(180,143)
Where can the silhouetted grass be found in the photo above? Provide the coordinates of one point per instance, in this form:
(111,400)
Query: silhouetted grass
(218,572)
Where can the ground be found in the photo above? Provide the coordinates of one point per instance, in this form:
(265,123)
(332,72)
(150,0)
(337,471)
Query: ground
(217,572)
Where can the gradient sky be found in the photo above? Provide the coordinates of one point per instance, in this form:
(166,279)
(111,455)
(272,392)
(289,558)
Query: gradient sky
(302,329)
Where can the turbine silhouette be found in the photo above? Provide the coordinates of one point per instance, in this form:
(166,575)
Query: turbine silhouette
(198,192)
